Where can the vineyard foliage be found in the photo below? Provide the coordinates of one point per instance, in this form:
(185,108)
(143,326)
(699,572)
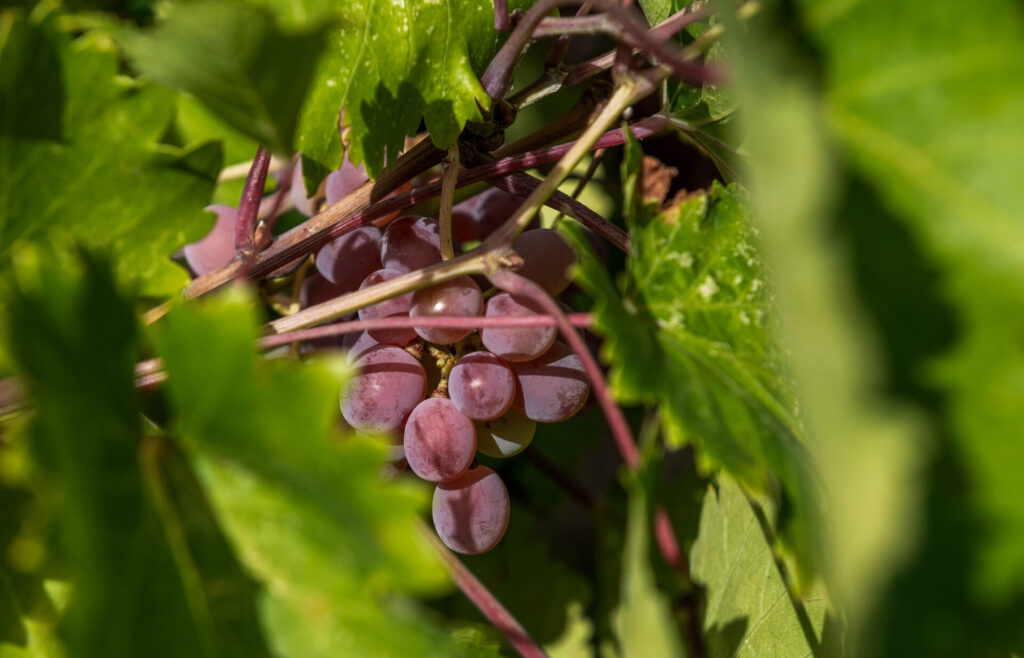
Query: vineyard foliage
(816,334)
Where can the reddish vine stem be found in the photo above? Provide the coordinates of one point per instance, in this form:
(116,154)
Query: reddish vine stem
(502,22)
(489,606)
(517,285)
(498,76)
(404,322)
(249,204)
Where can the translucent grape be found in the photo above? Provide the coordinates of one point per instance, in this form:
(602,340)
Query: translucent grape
(493,209)
(481,386)
(515,343)
(553,387)
(439,441)
(409,243)
(505,436)
(457,297)
(349,259)
(388,387)
(215,249)
(347,178)
(297,191)
(471,513)
(547,259)
(396,306)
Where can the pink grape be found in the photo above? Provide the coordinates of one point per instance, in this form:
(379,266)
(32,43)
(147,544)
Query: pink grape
(481,386)
(342,181)
(388,308)
(505,436)
(349,259)
(439,441)
(388,387)
(358,343)
(547,259)
(316,290)
(515,343)
(410,243)
(457,297)
(553,387)
(471,513)
(215,249)
(297,191)
(492,210)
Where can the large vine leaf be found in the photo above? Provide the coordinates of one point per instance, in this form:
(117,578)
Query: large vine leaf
(78,156)
(750,611)
(935,126)
(235,60)
(391,65)
(335,546)
(693,334)
(152,574)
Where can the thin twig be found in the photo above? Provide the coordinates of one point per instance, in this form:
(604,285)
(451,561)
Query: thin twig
(241,169)
(405,322)
(523,287)
(249,204)
(502,22)
(489,606)
(449,175)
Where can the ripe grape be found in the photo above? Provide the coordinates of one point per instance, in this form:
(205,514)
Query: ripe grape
(358,343)
(457,297)
(481,386)
(505,436)
(349,259)
(515,343)
(342,181)
(547,259)
(387,308)
(297,191)
(409,243)
(316,290)
(553,387)
(388,387)
(492,210)
(471,513)
(215,249)
(439,441)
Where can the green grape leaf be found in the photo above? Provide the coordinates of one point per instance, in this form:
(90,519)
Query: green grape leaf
(643,621)
(336,546)
(152,574)
(79,156)
(694,334)
(391,65)
(749,608)
(26,612)
(237,62)
(935,126)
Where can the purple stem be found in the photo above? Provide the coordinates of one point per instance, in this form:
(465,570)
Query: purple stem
(557,53)
(502,23)
(249,204)
(277,254)
(517,285)
(498,76)
(404,322)
(486,603)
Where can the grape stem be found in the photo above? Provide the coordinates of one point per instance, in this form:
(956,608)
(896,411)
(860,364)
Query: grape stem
(241,169)
(403,322)
(449,176)
(488,605)
(249,204)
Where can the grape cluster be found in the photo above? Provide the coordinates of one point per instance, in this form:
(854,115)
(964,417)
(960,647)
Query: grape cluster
(487,391)
(491,387)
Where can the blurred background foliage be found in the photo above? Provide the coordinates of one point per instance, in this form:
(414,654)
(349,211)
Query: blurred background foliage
(842,467)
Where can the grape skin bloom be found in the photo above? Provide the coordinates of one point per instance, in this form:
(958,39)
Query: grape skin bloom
(552,388)
(471,513)
(457,297)
(389,386)
(439,441)
(515,343)
(482,386)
